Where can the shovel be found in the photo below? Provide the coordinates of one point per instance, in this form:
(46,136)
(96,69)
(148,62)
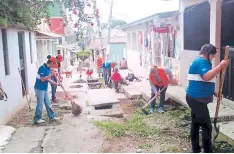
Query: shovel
(156,95)
(220,93)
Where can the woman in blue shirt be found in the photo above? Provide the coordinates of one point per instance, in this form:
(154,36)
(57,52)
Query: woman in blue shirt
(200,92)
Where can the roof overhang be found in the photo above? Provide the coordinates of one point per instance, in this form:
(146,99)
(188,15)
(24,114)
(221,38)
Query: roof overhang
(150,18)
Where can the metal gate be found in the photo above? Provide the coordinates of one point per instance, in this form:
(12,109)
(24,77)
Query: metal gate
(228,89)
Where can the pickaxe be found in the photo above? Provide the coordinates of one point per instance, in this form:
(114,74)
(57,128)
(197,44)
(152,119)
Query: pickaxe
(220,93)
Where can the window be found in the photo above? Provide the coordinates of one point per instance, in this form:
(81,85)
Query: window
(30,47)
(197,26)
(5,52)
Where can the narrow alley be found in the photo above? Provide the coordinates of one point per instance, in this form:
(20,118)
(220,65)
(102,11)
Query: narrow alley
(110,122)
(151,76)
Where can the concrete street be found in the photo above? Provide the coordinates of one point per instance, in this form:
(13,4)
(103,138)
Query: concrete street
(79,134)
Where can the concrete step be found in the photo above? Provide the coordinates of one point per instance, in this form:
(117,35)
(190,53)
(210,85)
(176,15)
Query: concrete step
(226,111)
(101,97)
(132,92)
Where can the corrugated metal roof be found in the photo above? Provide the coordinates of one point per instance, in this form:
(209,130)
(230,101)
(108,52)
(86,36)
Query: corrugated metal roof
(150,18)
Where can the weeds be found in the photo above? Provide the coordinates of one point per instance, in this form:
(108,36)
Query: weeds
(171,149)
(112,129)
(134,126)
(145,146)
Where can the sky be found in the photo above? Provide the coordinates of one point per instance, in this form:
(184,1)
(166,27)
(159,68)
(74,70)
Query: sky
(131,10)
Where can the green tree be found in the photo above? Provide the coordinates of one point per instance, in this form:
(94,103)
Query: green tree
(28,13)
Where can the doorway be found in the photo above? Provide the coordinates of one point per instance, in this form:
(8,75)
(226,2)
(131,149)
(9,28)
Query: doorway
(227,37)
(22,57)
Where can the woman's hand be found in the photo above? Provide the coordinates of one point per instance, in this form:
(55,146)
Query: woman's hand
(224,63)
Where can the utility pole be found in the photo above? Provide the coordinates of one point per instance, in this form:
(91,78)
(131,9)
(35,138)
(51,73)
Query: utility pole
(110,18)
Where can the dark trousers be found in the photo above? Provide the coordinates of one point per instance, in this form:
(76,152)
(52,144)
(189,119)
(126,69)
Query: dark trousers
(116,85)
(200,118)
(53,87)
(162,97)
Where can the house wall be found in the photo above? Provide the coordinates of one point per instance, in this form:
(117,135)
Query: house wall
(187,56)
(12,83)
(117,52)
(142,58)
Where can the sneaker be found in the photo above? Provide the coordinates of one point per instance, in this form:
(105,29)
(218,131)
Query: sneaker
(39,121)
(161,110)
(55,119)
(151,111)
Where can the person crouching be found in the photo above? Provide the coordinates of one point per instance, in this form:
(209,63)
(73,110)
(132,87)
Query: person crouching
(116,78)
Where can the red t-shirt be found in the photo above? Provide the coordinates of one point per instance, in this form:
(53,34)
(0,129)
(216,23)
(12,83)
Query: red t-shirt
(116,77)
(89,72)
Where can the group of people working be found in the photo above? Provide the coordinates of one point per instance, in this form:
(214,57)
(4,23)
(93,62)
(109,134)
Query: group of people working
(200,90)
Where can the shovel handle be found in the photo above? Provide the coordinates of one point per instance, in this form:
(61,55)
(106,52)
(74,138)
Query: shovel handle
(159,92)
(64,89)
(227,50)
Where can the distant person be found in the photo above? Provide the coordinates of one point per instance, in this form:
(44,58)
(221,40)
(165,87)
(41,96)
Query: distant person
(113,66)
(123,64)
(89,73)
(116,78)
(99,66)
(106,66)
(56,69)
(44,75)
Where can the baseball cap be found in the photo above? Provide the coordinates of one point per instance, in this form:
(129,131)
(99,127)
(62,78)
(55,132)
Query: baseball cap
(53,59)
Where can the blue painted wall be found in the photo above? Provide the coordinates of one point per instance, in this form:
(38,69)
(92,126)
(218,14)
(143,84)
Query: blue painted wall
(117,52)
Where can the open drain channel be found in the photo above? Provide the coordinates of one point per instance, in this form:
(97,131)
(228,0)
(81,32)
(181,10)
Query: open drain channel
(103,107)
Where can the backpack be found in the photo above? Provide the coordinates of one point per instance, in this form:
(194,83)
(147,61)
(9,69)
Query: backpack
(3,95)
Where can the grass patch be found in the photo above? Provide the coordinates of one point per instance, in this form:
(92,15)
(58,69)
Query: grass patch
(112,129)
(104,150)
(134,125)
(145,146)
(171,149)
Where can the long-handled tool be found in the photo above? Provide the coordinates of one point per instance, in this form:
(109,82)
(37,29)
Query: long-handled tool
(220,93)
(25,92)
(76,109)
(156,95)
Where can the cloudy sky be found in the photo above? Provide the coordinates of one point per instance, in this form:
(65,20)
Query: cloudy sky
(130,10)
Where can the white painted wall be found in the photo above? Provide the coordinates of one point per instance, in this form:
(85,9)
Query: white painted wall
(187,56)
(12,83)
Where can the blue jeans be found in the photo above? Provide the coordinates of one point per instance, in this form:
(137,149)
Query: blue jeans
(43,97)
(53,87)
(162,97)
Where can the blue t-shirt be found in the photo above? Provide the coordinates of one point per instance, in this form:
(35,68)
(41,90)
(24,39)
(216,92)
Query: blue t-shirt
(106,65)
(197,87)
(43,71)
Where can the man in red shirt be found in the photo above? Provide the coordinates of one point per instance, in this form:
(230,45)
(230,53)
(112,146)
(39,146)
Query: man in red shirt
(99,66)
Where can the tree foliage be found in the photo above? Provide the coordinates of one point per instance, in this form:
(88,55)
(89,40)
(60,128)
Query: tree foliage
(26,12)
(31,12)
